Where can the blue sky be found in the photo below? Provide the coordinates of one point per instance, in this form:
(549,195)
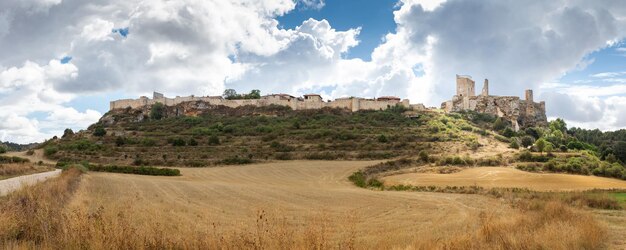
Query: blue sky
(375,17)
(84,57)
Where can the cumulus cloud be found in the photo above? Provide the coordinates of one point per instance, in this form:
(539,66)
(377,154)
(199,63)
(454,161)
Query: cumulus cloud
(201,47)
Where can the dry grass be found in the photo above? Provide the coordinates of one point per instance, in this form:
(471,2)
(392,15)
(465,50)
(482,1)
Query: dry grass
(16,169)
(40,217)
(502,177)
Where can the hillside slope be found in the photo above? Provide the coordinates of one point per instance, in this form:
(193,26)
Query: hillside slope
(196,134)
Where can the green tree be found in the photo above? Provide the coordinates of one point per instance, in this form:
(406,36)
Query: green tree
(254,94)
(541,145)
(3,149)
(508,132)
(157,111)
(67,133)
(230,94)
(558,125)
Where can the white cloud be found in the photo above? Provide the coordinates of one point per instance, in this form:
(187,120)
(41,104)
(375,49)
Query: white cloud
(187,47)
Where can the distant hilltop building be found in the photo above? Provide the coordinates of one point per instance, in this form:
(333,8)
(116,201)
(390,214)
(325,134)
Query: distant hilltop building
(521,113)
(308,101)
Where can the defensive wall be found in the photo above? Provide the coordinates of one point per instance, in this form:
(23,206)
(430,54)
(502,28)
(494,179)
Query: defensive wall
(311,101)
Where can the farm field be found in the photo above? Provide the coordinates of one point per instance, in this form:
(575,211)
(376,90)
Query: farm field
(296,193)
(491,177)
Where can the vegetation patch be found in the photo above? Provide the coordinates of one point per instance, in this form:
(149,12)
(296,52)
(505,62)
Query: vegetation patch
(135,170)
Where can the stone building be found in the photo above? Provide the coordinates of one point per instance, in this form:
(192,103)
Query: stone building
(521,113)
(308,101)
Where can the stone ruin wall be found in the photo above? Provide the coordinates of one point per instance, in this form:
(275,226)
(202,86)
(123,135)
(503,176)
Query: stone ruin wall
(521,113)
(353,104)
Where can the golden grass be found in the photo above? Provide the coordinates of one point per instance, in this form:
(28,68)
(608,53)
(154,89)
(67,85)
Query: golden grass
(39,217)
(16,169)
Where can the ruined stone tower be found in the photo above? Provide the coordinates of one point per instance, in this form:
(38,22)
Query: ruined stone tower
(485,88)
(530,107)
(464,86)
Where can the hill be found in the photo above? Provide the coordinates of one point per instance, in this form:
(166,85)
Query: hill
(220,135)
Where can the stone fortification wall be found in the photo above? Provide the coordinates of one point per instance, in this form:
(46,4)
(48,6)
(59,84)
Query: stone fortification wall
(353,104)
(519,112)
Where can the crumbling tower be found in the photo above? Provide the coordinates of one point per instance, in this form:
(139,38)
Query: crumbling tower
(530,105)
(464,86)
(485,88)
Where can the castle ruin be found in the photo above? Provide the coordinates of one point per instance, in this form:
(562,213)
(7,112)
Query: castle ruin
(308,101)
(521,113)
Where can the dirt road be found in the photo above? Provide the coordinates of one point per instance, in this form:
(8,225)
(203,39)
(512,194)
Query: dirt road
(296,190)
(507,177)
(12,184)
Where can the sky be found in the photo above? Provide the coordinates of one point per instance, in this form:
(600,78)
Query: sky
(62,61)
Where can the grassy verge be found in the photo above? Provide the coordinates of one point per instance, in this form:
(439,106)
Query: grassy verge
(32,213)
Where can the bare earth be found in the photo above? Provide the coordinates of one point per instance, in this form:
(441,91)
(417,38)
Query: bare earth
(12,184)
(295,190)
(507,177)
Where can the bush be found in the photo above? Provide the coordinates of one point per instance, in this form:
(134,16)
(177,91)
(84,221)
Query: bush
(514,144)
(508,132)
(214,140)
(135,170)
(99,131)
(178,142)
(12,159)
(383,139)
(423,155)
(527,141)
(3,149)
(192,142)
(157,111)
(236,160)
(502,139)
(67,133)
(50,151)
(148,142)
(358,178)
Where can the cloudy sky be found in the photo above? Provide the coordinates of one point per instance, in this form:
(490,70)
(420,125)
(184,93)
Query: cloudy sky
(62,61)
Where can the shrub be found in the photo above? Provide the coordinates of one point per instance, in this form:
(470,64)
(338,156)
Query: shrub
(99,131)
(12,159)
(178,142)
(120,141)
(236,160)
(358,178)
(148,142)
(135,170)
(157,111)
(527,141)
(50,151)
(214,140)
(283,156)
(192,142)
(508,132)
(514,144)
(3,149)
(383,139)
(499,124)
(423,156)
(67,133)
(502,139)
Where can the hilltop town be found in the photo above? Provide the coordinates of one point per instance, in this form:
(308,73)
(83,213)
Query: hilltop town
(520,113)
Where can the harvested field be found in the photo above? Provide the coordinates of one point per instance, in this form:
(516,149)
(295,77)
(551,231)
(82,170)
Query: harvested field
(301,193)
(507,177)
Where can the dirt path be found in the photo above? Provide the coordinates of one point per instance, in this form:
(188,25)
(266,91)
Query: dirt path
(12,184)
(297,190)
(507,177)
